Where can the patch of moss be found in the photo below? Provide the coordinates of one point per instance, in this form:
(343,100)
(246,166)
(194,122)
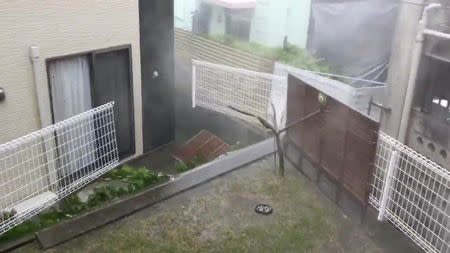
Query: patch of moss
(73,205)
(26,228)
(51,217)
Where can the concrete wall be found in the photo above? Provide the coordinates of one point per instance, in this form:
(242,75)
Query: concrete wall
(59,28)
(400,64)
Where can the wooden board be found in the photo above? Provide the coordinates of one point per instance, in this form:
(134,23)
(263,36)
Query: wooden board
(338,140)
(204,145)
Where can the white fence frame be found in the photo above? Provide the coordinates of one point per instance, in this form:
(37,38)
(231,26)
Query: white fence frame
(413,193)
(408,189)
(40,169)
(216,87)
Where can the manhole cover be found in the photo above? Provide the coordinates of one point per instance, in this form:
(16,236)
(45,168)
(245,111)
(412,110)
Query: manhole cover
(263,209)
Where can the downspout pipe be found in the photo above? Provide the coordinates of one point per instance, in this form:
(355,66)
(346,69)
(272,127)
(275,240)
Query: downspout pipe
(415,63)
(35,58)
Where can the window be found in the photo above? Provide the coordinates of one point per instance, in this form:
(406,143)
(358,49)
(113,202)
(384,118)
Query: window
(82,82)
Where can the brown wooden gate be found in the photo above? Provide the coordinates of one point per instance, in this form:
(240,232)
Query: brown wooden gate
(338,140)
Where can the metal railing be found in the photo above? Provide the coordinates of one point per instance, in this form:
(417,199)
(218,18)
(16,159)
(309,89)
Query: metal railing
(218,87)
(41,168)
(413,193)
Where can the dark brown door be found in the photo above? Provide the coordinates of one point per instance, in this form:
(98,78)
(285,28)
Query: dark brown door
(112,82)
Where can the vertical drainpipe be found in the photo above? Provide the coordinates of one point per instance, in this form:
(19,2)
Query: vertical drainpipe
(415,63)
(400,63)
(40,87)
(44,116)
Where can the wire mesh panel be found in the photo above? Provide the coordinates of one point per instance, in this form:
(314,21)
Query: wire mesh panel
(41,168)
(216,87)
(413,193)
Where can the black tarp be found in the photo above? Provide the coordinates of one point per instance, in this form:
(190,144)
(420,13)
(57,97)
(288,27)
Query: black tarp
(353,37)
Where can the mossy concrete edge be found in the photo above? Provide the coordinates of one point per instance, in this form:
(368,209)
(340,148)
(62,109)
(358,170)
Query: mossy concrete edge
(69,229)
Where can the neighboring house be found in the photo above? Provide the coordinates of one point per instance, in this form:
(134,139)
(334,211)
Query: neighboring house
(275,20)
(184,12)
(60,58)
(268,22)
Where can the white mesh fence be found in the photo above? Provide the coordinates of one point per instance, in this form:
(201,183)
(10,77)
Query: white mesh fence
(216,87)
(408,189)
(413,193)
(41,168)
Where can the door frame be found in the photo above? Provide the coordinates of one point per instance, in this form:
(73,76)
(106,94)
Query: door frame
(90,54)
(130,97)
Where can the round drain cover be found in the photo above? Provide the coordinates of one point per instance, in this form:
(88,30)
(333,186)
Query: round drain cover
(263,209)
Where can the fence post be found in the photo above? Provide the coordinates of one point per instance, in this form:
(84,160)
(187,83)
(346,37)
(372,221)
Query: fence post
(51,155)
(387,189)
(193,85)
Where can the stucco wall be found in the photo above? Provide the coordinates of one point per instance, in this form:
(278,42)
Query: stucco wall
(59,28)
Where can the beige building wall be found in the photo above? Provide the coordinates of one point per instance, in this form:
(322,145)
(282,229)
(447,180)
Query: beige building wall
(58,28)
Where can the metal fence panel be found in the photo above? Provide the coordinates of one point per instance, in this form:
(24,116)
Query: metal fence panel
(216,87)
(413,193)
(41,168)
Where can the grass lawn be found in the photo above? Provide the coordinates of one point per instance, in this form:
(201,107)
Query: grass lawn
(219,216)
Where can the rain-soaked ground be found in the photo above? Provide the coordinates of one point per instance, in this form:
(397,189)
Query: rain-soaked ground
(219,216)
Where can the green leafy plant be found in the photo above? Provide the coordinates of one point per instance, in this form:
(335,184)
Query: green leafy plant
(196,161)
(73,205)
(51,217)
(21,230)
(136,178)
(101,195)
(181,167)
